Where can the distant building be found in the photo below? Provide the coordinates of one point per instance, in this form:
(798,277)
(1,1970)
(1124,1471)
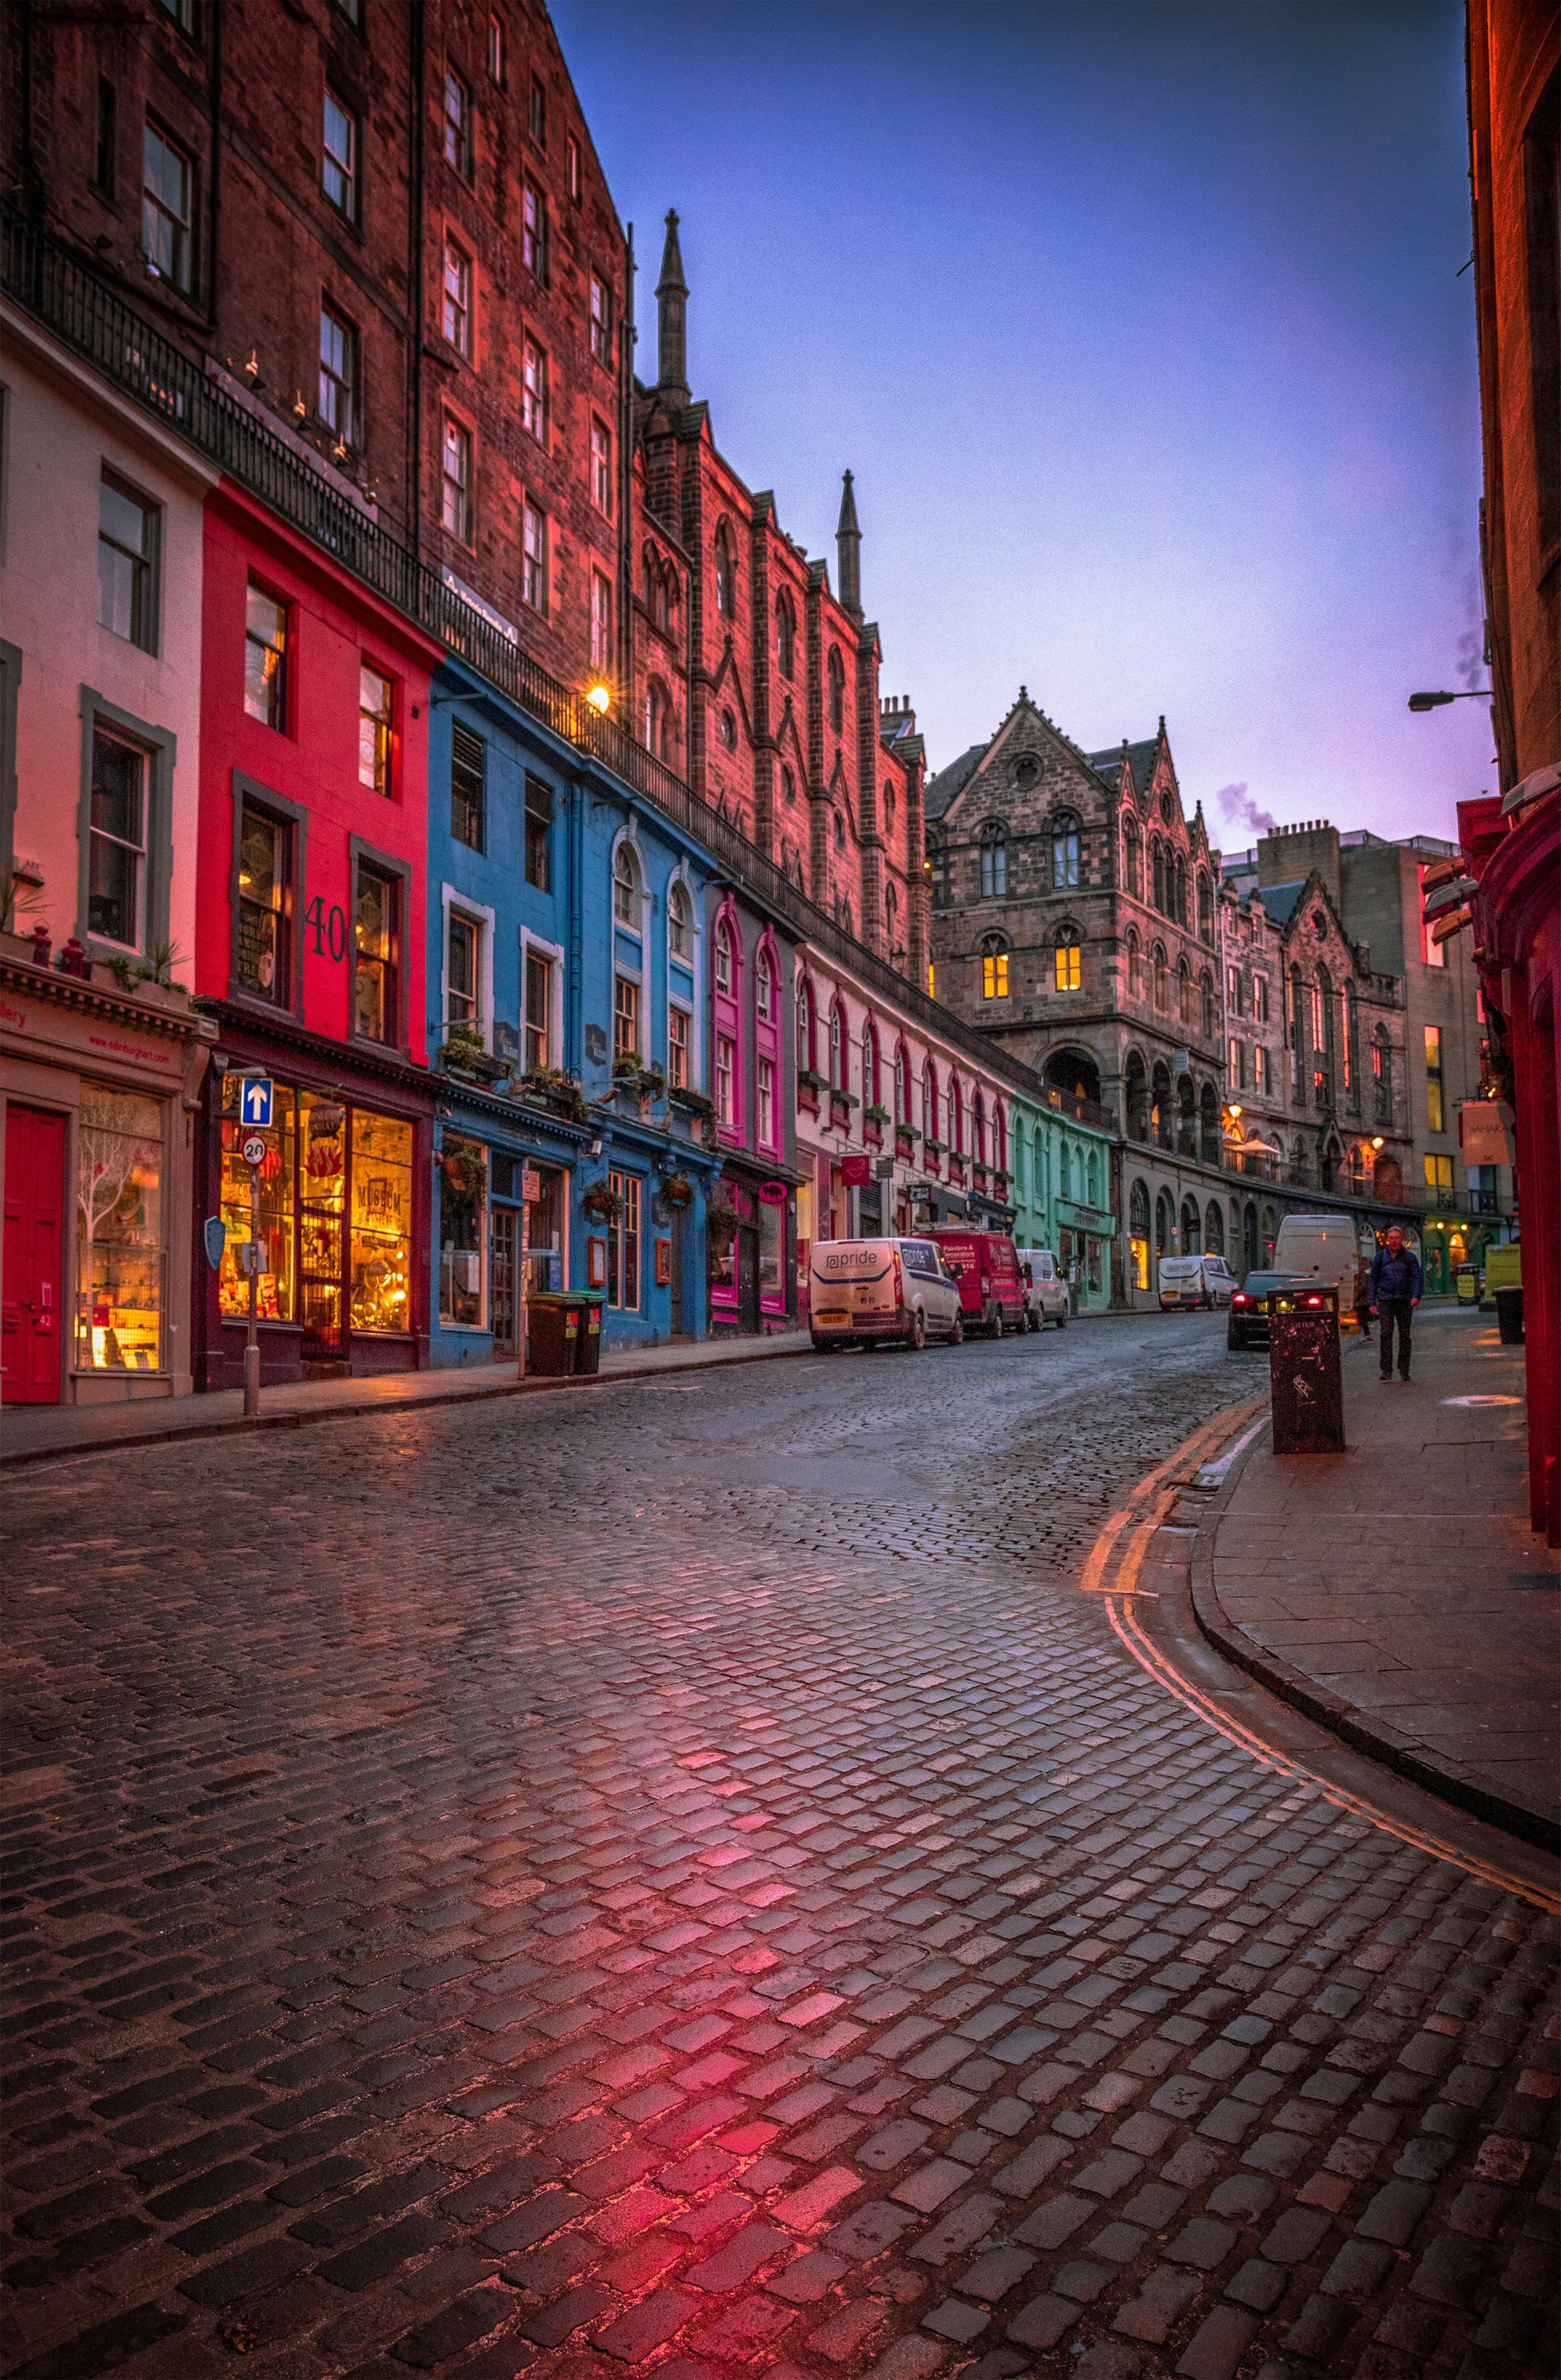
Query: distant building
(1352,1048)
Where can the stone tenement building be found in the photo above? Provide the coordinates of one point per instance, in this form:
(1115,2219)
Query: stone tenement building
(388,232)
(1074,919)
(756,680)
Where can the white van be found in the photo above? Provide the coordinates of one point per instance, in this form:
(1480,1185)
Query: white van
(1045,1292)
(1325,1247)
(868,1291)
(1194,1280)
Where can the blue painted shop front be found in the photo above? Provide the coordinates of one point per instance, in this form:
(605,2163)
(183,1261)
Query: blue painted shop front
(566,1005)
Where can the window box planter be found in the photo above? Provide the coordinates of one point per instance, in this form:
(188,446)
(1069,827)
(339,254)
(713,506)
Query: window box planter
(905,1138)
(840,1106)
(876,1115)
(551,1088)
(932,1148)
(693,1103)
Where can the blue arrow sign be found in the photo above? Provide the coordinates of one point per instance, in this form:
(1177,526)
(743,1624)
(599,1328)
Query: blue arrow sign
(254,1100)
(215,1236)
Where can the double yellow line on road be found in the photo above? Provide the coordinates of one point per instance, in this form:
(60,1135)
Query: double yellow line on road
(1111,1570)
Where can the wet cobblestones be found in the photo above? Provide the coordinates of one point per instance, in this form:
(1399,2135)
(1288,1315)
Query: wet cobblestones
(682,1877)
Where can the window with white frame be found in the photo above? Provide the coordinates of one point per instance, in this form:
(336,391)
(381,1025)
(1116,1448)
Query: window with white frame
(625,888)
(456,318)
(535,402)
(533,559)
(726,1079)
(678,1041)
(764,989)
(723,957)
(455,468)
(626,1018)
(602,467)
(679,926)
(463,972)
(601,621)
(539,1011)
(623,1243)
(167,208)
(339,160)
(767,1102)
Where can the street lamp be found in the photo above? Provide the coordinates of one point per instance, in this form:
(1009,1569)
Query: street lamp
(600,698)
(1465,694)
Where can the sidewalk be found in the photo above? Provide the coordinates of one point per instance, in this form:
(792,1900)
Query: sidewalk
(1396,1591)
(32,1433)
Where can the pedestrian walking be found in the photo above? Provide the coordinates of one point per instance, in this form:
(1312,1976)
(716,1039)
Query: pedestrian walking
(1396,1293)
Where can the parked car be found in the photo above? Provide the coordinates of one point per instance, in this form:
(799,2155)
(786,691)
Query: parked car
(986,1266)
(1250,1309)
(1195,1281)
(1045,1292)
(868,1292)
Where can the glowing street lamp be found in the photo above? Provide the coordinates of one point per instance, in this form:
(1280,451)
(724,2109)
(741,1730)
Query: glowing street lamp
(600,698)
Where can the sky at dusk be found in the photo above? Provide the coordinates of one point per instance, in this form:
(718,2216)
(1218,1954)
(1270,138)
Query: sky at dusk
(1142,330)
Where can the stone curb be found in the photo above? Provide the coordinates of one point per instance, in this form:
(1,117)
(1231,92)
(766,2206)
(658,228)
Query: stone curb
(1379,1743)
(451,1397)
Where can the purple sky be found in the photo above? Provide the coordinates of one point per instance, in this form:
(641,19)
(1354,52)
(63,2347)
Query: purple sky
(1141,330)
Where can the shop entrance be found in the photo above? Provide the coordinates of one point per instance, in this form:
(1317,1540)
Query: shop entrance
(748,1277)
(322,1214)
(34,1257)
(503,1279)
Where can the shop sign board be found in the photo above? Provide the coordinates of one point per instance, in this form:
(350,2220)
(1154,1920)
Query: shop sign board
(855,1172)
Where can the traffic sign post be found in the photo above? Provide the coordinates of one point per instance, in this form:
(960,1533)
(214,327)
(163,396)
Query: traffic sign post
(254,1100)
(255,1151)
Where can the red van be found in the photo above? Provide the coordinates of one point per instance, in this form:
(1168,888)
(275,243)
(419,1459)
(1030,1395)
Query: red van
(991,1288)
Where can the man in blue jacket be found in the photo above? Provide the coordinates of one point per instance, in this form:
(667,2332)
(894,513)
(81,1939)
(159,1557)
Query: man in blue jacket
(1396,1293)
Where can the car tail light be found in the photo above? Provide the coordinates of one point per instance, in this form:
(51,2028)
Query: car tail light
(899,1284)
(1241,1298)
(1312,1301)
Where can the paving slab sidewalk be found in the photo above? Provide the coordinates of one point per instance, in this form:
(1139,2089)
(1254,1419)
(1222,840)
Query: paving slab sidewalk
(31,1433)
(1396,1591)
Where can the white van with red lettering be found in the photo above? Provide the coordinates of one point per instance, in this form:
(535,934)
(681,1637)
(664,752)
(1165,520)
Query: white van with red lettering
(867,1292)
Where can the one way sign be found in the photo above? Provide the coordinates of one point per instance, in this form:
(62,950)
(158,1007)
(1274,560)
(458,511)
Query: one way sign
(254,1100)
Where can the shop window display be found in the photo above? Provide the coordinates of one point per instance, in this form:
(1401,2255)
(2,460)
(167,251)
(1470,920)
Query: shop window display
(119,1231)
(327,1165)
(382,1223)
(463,1219)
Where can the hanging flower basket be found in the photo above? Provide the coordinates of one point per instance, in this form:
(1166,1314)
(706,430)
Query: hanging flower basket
(677,1190)
(602,1201)
(464,1164)
(721,1220)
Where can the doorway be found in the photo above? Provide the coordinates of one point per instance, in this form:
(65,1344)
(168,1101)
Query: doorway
(503,1276)
(748,1277)
(30,1363)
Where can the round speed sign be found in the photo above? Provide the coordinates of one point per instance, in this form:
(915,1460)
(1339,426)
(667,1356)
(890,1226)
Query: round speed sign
(255,1150)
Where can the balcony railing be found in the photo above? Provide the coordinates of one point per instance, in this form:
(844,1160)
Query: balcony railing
(43,278)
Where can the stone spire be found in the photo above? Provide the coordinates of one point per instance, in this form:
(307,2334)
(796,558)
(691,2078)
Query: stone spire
(848,545)
(672,318)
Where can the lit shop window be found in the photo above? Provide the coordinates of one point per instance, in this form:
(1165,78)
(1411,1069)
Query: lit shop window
(119,1259)
(463,1230)
(380,1278)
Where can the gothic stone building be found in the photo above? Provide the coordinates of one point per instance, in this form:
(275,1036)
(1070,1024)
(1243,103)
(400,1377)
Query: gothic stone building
(1075,917)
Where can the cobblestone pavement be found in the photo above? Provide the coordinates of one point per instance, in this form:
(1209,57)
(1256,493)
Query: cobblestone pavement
(685,1878)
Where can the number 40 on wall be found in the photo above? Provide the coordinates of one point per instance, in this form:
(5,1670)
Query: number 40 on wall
(328,927)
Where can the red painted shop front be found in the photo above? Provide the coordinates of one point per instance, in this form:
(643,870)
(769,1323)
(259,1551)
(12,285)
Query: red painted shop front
(30,1338)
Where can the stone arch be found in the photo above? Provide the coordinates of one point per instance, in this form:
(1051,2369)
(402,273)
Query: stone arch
(1135,1088)
(1209,1125)
(1214,1229)
(1160,1123)
(1076,1071)
(1192,1228)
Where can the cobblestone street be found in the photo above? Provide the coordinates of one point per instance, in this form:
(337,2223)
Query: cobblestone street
(683,1876)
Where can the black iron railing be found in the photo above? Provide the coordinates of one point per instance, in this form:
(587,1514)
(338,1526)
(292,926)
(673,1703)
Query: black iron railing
(60,291)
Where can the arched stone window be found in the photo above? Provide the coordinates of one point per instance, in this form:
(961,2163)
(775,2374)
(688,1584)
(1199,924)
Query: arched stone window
(1135,1080)
(763,987)
(1157,873)
(1184,993)
(902,1084)
(1162,978)
(1165,1225)
(1178,891)
(788,787)
(1132,857)
(1065,853)
(891,918)
(1206,1004)
(994,967)
(1067,958)
(1192,1228)
(888,808)
(836,1049)
(872,1088)
(1066,1173)
(955,1116)
(930,1105)
(994,861)
(679,923)
(658,719)
(785,636)
(1209,1125)
(726,574)
(978,1127)
(1161,1119)
(1357,1171)
(1382,1077)
(1135,965)
(625,888)
(723,955)
(837,675)
(1206,907)
(1214,1229)
(807,1046)
(1349,1050)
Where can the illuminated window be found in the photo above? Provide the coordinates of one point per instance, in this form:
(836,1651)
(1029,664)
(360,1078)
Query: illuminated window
(265,659)
(375,728)
(1065,967)
(623,1243)
(263,952)
(376,956)
(993,968)
(1434,1115)
(119,1251)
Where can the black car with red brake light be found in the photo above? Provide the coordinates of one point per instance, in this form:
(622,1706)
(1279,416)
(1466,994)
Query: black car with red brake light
(1250,1306)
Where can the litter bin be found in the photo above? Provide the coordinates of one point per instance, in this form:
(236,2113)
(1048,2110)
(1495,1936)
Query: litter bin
(588,1338)
(1306,1384)
(1509,1317)
(555,1334)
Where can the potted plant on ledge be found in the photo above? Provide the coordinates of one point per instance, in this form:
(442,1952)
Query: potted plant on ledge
(601,1200)
(549,1088)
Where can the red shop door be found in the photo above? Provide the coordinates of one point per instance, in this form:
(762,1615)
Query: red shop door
(30,1323)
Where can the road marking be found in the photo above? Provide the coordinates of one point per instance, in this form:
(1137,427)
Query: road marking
(1121,1592)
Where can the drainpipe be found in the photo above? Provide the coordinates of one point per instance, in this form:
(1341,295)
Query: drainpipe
(414,289)
(574,1020)
(212,307)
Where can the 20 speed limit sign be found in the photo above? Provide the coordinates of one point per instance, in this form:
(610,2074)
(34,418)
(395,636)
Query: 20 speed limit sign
(255,1150)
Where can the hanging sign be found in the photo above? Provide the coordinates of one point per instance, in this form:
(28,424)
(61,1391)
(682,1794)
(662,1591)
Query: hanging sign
(214,1234)
(855,1172)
